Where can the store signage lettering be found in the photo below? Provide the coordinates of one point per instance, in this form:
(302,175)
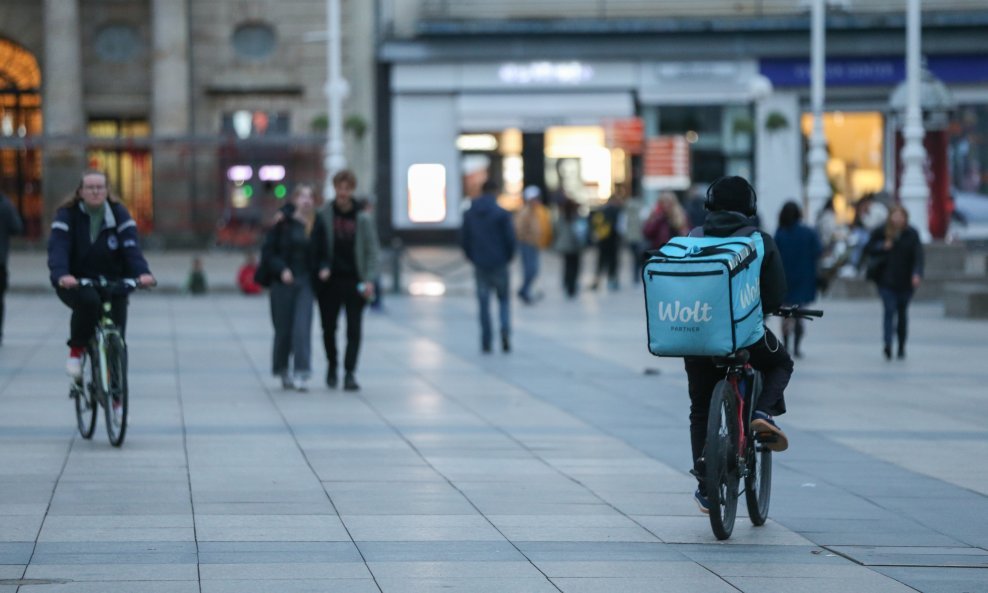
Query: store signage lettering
(567,73)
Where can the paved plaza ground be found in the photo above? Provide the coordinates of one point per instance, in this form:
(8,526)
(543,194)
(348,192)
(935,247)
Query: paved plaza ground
(559,467)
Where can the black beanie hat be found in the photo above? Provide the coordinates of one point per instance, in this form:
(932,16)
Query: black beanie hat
(732,193)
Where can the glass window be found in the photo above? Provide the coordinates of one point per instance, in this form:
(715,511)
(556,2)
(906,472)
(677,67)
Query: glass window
(254,41)
(128,169)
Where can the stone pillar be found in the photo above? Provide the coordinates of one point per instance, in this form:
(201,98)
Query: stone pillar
(175,208)
(64,123)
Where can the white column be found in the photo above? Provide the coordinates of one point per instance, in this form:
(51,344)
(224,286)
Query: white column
(914,192)
(63,112)
(817,185)
(175,210)
(336,92)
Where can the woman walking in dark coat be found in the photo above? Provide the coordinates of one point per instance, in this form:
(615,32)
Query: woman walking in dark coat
(894,257)
(800,250)
(295,255)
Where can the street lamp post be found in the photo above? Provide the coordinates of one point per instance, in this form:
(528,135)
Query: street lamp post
(913,190)
(817,186)
(336,91)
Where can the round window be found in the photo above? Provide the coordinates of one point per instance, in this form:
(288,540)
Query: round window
(255,41)
(117,43)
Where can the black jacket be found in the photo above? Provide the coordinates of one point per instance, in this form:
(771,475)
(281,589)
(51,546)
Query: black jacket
(115,253)
(773,277)
(902,261)
(278,252)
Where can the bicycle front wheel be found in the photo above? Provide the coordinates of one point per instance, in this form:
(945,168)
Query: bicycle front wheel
(721,455)
(758,481)
(86,400)
(116,396)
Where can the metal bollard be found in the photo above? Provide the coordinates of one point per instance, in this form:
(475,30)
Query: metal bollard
(396,252)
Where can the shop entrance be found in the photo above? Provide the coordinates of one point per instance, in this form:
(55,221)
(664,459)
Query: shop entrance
(571,161)
(855,144)
(20,119)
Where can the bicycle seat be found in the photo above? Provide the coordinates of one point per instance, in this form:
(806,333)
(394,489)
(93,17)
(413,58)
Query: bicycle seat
(739,358)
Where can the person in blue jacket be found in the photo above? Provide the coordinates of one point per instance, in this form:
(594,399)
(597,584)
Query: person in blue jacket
(800,249)
(93,235)
(488,240)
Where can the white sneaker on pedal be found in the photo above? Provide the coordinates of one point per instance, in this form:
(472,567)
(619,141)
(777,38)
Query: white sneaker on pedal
(73,366)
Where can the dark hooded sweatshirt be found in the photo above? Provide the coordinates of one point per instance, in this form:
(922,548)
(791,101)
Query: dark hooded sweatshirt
(488,235)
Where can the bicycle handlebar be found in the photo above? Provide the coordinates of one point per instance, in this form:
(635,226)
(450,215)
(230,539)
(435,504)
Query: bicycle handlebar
(797,311)
(106,283)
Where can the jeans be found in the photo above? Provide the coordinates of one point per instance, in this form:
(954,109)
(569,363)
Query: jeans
(530,268)
(291,314)
(496,280)
(87,308)
(336,294)
(767,356)
(896,306)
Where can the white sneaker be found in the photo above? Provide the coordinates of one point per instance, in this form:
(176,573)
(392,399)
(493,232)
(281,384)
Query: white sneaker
(302,383)
(73,366)
(286,381)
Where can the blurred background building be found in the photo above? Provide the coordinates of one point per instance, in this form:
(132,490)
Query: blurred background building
(583,95)
(206,112)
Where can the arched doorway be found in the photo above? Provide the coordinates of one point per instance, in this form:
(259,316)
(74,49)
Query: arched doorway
(20,124)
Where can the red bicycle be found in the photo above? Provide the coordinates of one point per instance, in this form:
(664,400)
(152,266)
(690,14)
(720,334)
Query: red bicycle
(733,452)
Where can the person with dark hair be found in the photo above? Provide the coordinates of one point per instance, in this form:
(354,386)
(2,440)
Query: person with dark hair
(10,224)
(606,234)
(93,235)
(488,240)
(353,252)
(894,255)
(800,250)
(732,204)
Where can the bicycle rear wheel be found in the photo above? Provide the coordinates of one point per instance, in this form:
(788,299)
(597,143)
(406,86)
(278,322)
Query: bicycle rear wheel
(116,396)
(86,401)
(721,455)
(758,481)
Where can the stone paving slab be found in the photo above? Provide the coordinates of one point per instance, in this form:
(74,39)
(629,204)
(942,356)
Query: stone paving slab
(560,467)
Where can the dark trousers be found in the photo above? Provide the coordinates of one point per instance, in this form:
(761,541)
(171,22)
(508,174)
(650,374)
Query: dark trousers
(768,356)
(336,294)
(571,272)
(493,280)
(637,249)
(607,261)
(291,315)
(3,292)
(86,311)
(895,304)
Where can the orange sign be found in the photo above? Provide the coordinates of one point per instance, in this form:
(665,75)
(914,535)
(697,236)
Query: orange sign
(667,163)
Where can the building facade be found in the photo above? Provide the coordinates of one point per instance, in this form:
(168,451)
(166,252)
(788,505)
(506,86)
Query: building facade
(204,113)
(657,95)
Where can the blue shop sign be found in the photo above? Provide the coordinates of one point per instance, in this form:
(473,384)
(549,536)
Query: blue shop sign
(877,71)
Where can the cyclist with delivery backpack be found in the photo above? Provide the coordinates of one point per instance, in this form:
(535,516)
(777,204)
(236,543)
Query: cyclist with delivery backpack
(728,245)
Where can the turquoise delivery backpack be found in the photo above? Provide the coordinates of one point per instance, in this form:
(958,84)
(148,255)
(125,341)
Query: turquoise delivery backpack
(703,295)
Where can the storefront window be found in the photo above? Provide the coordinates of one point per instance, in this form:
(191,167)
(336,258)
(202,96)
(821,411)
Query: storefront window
(968,155)
(20,118)
(128,169)
(854,144)
(426,193)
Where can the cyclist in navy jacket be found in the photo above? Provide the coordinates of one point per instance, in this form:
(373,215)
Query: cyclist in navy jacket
(93,235)
(732,204)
